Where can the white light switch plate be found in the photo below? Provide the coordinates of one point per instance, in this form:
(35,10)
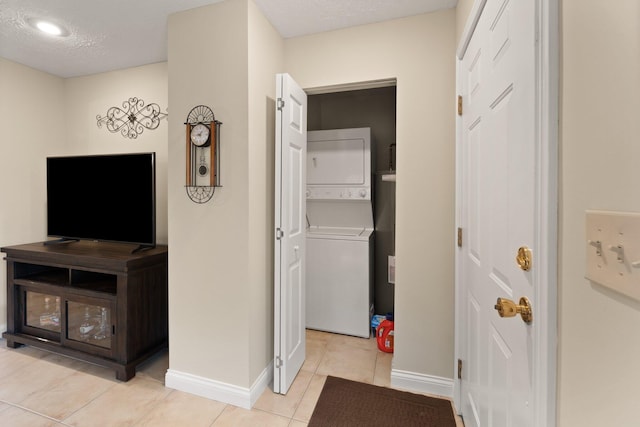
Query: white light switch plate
(613,251)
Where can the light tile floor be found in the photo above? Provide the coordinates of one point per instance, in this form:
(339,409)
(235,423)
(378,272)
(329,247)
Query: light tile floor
(38,388)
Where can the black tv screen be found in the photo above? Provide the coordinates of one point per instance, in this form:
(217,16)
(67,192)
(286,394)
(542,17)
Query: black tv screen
(102,197)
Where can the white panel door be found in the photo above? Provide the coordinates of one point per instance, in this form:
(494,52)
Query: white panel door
(498,81)
(290,229)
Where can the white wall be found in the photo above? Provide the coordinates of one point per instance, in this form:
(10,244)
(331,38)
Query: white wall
(90,96)
(419,52)
(600,158)
(32,122)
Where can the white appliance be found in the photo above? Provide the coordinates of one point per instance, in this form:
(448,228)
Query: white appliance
(339,270)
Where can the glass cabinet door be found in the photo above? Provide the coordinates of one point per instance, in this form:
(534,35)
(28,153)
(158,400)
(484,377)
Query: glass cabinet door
(89,323)
(42,311)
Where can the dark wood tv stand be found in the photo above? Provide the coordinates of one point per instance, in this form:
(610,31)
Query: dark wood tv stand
(93,301)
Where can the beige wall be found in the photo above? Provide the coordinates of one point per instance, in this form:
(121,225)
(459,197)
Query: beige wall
(208,275)
(236,242)
(32,121)
(220,257)
(87,97)
(419,52)
(213,244)
(221,254)
(462,12)
(44,115)
(266,57)
(600,158)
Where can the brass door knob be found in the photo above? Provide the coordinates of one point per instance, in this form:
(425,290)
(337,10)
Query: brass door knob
(508,308)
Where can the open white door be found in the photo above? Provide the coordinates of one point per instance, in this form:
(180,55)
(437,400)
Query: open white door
(506,260)
(290,232)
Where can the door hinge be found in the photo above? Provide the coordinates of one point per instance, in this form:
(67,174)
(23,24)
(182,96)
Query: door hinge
(278,362)
(459,237)
(280,104)
(459,105)
(459,369)
(279,234)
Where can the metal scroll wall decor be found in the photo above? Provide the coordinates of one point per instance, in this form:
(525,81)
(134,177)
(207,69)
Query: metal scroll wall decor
(132,119)
(203,154)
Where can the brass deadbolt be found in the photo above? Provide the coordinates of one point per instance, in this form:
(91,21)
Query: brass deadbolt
(524,258)
(508,308)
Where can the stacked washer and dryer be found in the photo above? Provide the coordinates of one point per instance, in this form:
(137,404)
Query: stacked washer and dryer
(339,279)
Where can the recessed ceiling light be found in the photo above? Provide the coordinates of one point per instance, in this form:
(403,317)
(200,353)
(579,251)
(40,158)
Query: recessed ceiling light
(48,27)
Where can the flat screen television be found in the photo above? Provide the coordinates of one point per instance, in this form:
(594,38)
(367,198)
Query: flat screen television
(108,197)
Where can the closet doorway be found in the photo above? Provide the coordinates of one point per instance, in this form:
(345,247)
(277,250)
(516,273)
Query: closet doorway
(374,108)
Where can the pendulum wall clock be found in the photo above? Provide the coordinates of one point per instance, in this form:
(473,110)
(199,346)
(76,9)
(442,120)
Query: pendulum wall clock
(202,154)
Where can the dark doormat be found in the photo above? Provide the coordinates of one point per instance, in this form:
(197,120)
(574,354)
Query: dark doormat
(349,403)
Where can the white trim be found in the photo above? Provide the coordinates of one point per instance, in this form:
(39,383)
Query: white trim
(216,390)
(470,27)
(459,345)
(421,383)
(545,358)
(459,341)
(261,383)
(277,243)
(371,84)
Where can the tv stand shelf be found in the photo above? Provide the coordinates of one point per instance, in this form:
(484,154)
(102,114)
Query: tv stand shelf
(94,301)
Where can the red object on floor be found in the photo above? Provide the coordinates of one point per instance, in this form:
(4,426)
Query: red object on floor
(384,336)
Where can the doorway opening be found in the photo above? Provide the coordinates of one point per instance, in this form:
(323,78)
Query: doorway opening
(375,108)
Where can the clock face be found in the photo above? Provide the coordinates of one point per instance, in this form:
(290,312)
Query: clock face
(200,135)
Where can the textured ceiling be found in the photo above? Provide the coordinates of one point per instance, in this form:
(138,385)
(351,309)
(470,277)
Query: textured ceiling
(107,35)
(294,18)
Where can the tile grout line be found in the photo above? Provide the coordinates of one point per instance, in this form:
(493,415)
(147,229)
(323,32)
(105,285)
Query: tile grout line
(226,405)
(15,405)
(89,402)
(324,346)
(325,350)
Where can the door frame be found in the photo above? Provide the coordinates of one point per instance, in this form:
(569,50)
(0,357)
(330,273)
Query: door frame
(546,215)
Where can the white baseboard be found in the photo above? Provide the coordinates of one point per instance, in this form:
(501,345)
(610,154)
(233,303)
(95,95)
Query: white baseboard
(421,383)
(217,390)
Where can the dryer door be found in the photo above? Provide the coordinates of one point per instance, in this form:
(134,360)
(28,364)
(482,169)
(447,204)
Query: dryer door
(339,157)
(338,161)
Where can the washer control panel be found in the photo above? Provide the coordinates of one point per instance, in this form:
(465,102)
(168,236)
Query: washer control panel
(339,193)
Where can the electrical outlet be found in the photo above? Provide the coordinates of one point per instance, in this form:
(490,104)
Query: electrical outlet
(391,269)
